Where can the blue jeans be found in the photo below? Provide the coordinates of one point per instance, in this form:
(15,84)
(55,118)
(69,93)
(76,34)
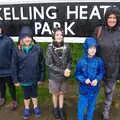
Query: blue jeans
(86,102)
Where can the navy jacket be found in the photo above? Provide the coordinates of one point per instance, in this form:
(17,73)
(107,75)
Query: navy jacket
(89,68)
(6,49)
(28,67)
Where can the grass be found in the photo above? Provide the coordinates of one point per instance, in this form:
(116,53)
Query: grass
(45,97)
(43,92)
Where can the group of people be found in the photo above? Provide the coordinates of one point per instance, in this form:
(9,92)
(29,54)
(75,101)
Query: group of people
(24,66)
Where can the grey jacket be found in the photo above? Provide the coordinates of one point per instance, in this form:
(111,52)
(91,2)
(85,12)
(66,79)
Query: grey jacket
(109,43)
(57,65)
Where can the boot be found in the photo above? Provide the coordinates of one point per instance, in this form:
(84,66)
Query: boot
(62,115)
(13,105)
(56,113)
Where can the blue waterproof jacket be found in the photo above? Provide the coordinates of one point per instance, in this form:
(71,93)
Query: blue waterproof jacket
(89,68)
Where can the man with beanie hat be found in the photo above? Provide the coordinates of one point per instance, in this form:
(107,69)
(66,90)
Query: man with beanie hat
(6,50)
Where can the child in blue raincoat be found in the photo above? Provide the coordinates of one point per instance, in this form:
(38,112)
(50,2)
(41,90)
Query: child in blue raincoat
(89,72)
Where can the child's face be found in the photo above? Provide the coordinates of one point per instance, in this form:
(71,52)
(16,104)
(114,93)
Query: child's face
(91,51)
(112,20)
(27,41)
(58,36)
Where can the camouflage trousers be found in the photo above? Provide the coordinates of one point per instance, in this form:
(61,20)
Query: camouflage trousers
(109,88)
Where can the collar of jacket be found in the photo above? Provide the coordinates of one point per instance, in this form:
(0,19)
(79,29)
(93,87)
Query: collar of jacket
(29,48)
(111,29)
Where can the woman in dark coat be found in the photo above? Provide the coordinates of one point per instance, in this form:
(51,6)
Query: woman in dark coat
(109,41)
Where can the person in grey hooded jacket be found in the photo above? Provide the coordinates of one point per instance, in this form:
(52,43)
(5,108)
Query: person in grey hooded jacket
(58,60)
(109,41)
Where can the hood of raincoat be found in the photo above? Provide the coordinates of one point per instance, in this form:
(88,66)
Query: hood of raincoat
(115,11)
(89,42)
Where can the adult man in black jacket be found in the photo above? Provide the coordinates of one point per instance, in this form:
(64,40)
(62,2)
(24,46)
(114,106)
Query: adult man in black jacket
(6,49)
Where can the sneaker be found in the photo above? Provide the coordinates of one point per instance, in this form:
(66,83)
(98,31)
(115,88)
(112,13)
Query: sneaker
(62,115)
(56,113)
(37,112)
(26,113)
(13,105)
(2,102)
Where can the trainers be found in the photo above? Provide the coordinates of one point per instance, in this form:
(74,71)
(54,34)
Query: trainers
(56,113)
(13,105)
(62,115)
(2,102)
(37,112)
(26,113)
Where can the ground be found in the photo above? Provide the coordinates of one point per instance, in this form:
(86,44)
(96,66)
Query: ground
(70,109)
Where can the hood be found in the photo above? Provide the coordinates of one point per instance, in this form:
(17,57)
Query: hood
(89,42)
(25,31)
(112,10)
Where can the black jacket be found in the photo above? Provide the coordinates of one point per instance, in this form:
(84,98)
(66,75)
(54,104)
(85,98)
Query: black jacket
(57,65)
(109,45)
(109,42)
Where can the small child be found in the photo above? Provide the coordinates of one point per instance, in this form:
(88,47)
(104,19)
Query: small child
(58,60)
(28,69)
(89,72)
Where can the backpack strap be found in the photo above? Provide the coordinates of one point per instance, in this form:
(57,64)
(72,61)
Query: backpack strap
(99,32)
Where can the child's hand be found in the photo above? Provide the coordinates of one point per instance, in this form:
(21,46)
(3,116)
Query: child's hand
(17,84)
(40,83)
(67,73)
(88,81)
(94,83)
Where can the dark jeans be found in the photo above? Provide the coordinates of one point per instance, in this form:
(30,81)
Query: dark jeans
(12,90)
